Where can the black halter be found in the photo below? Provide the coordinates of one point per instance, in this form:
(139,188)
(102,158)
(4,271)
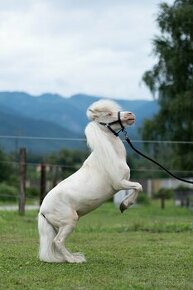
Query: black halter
(108,125)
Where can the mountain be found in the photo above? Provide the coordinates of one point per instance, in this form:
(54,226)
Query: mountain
(47,107)
(51,115)
(15,125)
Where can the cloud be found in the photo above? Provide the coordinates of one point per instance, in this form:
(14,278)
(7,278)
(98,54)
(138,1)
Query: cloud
(95,47)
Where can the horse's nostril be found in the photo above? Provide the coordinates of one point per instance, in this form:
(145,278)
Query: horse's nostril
(129,114)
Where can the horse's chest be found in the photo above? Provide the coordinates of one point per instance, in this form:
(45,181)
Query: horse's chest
(123,170)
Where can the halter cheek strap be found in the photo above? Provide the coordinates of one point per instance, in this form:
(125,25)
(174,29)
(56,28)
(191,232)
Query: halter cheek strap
(120,122)
(108,125)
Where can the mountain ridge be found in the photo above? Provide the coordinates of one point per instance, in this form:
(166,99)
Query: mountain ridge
(57,116)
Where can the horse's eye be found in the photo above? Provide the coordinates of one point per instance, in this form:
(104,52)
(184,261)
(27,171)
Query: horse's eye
(109,114)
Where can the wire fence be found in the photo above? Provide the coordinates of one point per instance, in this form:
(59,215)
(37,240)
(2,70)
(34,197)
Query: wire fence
(19,141)
(66,139)
(35,164)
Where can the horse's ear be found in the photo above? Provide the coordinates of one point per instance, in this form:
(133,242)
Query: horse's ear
(92,114)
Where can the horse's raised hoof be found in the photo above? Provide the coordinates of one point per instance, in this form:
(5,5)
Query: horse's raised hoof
(123,207)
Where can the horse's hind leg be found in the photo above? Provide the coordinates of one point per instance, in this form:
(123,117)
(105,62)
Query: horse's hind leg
(64,231)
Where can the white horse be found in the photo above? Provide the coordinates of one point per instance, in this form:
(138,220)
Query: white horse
(103,173)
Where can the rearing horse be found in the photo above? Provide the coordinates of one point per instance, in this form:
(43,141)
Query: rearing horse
(103,173)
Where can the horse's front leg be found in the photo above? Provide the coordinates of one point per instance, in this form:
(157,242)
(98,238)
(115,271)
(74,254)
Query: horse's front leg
(126,184)
(132,188)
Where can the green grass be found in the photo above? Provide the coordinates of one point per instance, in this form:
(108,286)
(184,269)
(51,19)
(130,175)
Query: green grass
(144,248)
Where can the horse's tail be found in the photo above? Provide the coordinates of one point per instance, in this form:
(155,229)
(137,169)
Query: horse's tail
(47,249)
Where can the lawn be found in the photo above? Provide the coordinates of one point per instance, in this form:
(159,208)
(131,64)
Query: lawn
(143,248)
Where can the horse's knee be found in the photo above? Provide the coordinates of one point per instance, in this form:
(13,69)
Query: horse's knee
(126,184)
(139,187)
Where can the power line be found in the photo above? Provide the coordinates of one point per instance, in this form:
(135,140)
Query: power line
(40,138)
(15,137)
(78,166)
(162,141)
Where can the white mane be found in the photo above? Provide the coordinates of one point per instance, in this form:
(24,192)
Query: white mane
(105,147)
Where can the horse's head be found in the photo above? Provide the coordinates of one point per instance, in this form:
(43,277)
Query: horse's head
(107,112)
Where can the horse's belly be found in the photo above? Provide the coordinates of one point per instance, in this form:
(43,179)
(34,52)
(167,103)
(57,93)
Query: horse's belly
(83,191)
(88,206)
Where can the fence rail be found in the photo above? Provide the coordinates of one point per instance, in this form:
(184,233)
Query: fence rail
(18,137)
(35,164)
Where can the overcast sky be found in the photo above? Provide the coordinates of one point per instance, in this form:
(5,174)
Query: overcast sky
(97,47)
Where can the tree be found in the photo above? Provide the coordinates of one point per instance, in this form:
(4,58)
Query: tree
(6,169)
(69,160)
(163,194)
(171,81)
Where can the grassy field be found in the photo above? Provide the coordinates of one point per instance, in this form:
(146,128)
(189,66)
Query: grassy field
(144,248)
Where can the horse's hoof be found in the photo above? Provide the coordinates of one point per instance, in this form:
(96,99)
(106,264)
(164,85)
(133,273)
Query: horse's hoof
(123,207)
(80,257)
(77,258)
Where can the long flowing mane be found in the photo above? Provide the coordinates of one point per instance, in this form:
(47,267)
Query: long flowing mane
(106,148)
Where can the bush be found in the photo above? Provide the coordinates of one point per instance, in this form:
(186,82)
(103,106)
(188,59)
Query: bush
(32,192)
(8,192)
(183,188)
(143,199)
(6,168)
(165,193)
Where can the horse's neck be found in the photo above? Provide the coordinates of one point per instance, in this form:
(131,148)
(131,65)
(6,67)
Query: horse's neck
(108,149)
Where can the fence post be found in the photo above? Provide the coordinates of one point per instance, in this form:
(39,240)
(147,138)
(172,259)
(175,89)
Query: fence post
(22,180)
(55,175)
(42,182)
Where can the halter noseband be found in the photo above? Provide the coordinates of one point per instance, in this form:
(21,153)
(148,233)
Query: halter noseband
(108,125)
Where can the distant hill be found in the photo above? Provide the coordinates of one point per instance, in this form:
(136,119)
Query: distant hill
(13,124)
(51,115)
